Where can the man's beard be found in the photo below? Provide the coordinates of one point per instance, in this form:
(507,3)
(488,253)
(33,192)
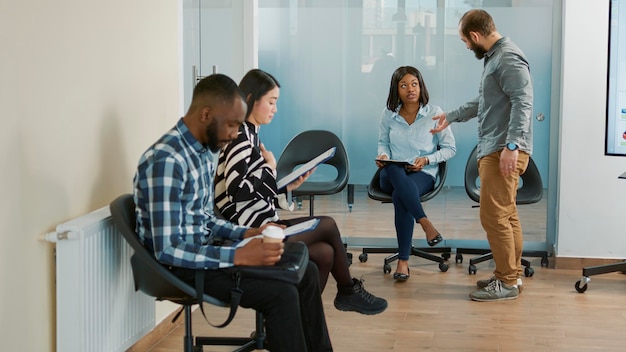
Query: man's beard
(478,50)
(213,137)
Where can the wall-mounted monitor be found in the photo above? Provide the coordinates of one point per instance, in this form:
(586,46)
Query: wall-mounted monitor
(616,82)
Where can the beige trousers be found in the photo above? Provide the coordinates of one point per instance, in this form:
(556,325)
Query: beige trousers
(499,217)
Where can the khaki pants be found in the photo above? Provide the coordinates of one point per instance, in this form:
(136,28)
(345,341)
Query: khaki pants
(498,215)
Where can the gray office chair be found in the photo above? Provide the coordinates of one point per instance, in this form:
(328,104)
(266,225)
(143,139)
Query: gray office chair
(375,192)
(531,191)
(155,280)
(306,146)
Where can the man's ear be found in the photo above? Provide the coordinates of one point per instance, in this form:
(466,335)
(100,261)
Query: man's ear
(205,114)
(474,36)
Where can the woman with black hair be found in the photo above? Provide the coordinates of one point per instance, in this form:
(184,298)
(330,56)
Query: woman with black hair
(404,135)
(246,194)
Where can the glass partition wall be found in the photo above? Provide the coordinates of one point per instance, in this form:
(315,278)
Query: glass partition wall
(334,61)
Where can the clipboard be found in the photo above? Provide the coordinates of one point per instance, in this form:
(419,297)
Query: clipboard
(288,231)
(283,182)
(391,161)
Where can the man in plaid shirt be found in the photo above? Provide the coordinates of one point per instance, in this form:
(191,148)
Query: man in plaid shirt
(173,191)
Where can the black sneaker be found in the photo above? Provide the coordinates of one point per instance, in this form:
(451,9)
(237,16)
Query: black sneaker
(360,301)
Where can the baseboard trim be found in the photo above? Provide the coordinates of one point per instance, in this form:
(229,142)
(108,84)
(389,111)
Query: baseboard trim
(568,263)
(161,330)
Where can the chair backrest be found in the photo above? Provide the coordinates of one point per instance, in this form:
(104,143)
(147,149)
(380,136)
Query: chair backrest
(531,186)
(374,191)
(308,145)
(151,277)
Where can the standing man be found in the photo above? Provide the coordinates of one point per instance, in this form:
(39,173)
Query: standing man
(173,193)
(503,107)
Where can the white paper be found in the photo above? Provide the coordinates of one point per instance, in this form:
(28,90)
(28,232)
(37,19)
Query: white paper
(288,231)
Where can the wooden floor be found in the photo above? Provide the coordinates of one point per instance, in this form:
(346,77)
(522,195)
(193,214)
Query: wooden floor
(432,311)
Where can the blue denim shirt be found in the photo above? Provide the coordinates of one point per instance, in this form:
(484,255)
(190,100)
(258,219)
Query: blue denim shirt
(401,141)
(505,101)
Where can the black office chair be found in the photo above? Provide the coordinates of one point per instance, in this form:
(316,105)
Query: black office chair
(375,192)
(155,280)
(306,146)
(530,191)
(581,285)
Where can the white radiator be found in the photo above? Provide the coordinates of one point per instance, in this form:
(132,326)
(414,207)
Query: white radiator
(97,306)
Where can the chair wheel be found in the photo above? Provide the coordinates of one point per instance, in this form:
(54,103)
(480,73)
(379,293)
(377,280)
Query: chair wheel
(579,288)
(529,272)
(386,268)
(445,255)
(544,261)
(472,269)
(443,267)
(458,258)
(363,257)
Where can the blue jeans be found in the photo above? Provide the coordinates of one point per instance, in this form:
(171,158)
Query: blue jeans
(406,190)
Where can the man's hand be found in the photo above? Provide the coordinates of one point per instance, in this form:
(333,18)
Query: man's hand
(253,231)
(268,156)
(508,162)
(257,252)
(442,123)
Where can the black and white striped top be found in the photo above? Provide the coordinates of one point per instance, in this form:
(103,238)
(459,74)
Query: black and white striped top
(245,185)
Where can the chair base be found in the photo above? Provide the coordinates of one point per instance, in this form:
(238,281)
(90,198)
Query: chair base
(485,254)
(418,252)
(581,285)
(255,342)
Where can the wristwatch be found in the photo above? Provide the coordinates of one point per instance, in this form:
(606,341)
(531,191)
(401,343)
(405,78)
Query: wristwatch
(511,146)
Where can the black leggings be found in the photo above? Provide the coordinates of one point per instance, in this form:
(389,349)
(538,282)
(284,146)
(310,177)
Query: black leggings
(325,249)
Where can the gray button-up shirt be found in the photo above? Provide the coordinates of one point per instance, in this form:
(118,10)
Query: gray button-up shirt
(504,103)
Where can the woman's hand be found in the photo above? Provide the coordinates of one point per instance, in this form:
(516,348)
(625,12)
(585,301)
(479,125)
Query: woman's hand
(381,156)
(268,156)
(300,180)
(418,164)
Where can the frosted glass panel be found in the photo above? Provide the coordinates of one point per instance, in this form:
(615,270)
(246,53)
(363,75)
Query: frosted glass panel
(334,60)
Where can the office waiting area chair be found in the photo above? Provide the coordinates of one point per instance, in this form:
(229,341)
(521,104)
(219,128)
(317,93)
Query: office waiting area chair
(530,191)
(306,146)
(376,193)
(155,280)
(581,285)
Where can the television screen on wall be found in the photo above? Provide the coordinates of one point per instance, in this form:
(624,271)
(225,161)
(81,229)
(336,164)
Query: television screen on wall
(616,92)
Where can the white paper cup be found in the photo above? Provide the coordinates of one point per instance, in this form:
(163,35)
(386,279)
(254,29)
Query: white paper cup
(273,234)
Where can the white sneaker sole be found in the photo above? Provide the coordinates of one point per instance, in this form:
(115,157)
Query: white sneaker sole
(493,300)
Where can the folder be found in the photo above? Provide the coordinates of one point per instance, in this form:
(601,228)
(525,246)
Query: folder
(283,182)
(391,161)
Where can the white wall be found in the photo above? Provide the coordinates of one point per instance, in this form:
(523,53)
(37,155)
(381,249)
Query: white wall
(592,206)
(85,87)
